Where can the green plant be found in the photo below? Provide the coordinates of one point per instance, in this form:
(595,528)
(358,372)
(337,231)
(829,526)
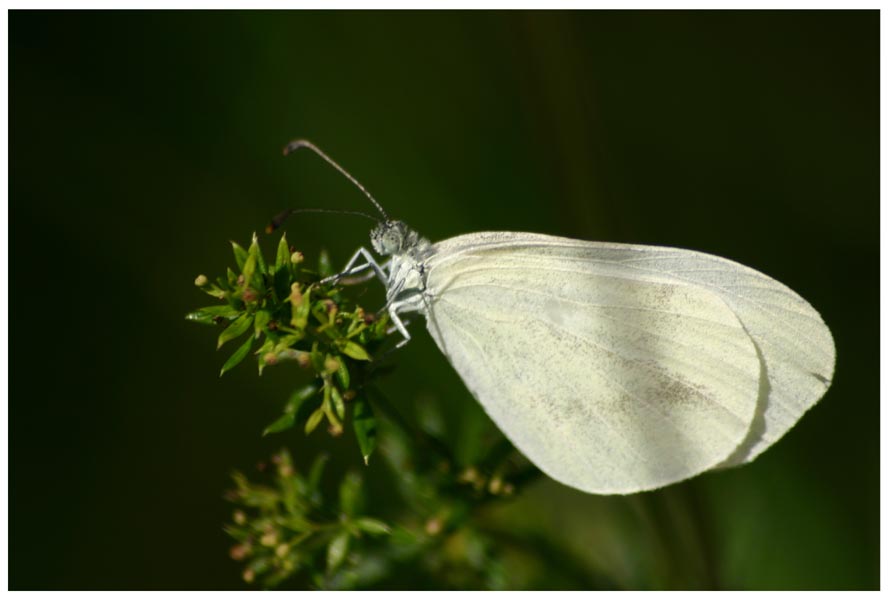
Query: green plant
(287,531)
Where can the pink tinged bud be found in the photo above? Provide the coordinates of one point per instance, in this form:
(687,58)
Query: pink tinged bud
(433,526)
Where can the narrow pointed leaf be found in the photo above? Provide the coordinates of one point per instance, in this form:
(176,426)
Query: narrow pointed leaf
(364,422)
(237,357)
(317,359)
(328,406)
(351,494)
(314,420)
(325,267)
(257,252)
(282,269)
(221,310)
(282,260)
(338,402)
(216,291)
(240,255)
(209,314)
(372,526)
(353,349)
(262,319)
(237,328)
(284,422)
(249,269)
(337,551)
(317,469)
(342,375)
(230,278)
(262,351)
(199,317)
(301,309)
(299,396)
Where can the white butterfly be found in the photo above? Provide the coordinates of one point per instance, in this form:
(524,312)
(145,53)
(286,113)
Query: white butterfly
(614,368)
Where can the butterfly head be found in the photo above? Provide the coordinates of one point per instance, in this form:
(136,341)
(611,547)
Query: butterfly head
(390,237)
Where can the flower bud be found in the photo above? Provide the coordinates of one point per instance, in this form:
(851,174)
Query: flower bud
(296,257)
(239,552)
(269,539)
(331,365)
(201,280)
(295,295)
(433,526)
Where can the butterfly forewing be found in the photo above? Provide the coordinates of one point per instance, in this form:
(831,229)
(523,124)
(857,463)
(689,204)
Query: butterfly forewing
(609,383)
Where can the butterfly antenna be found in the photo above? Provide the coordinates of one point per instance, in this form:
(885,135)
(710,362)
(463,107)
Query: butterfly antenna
(297,144)
(282,216)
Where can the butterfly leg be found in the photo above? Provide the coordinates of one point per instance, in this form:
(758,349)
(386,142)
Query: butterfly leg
(398,323)
(350,269)
(410,303)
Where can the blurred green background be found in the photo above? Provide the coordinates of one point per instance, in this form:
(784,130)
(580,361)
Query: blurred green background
(140,143)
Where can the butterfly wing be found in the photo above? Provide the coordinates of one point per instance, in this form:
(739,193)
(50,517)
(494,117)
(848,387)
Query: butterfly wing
(620,368)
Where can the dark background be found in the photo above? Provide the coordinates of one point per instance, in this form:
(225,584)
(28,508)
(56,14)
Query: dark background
(142,142)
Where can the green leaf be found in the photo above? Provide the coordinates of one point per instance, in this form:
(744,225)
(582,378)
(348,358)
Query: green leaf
(284,422)
(316,471)
(202,318)
(338,403)
(240,255)
(352,349)
(317,359)
(364,423)
(342,375)
(300,311)
(209,314)
(314,420)
(350,494)
(337,551)
(264,349)
(282,260)
(237,328)
(257,252)
(299,396)
(249,269)
(282,270)
(220,310)
(237,357)
(325,267)
(215,291)
(285,342)
(372,526)
(262,319)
